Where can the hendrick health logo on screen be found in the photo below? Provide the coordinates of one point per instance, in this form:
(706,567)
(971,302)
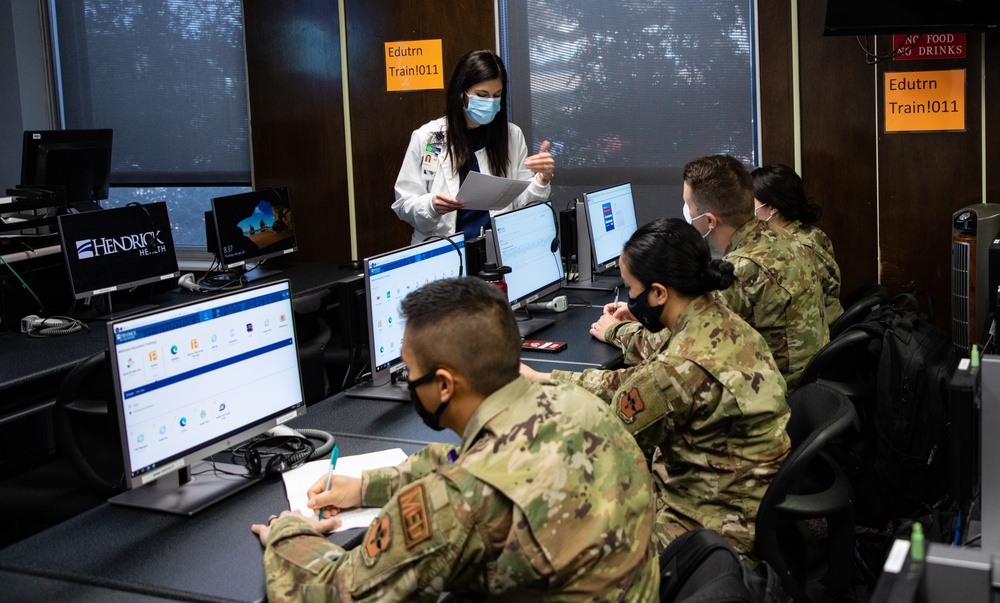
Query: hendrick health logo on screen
(143,244)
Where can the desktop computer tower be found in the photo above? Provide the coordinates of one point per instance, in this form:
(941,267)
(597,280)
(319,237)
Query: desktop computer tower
(973,282)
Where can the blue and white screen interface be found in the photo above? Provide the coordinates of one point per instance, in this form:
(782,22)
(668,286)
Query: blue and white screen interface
(191,376)
(611,212)
(392,276)
(524,242)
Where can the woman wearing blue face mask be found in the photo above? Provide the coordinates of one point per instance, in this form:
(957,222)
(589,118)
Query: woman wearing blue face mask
(708,406)
(473,136)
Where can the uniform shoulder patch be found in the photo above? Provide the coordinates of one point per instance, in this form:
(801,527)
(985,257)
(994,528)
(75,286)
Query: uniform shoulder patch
(630,405)
(415,513)
(377,539)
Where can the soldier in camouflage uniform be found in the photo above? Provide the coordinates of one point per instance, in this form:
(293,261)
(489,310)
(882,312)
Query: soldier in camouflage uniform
(707,406)
(547,498)
(780,200)
(777,289)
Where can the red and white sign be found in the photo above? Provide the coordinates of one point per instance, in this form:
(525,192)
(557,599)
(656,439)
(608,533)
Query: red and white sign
(930,46)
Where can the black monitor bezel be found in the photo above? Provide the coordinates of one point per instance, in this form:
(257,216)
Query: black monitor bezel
(227,264)
(612,262)
(67,246)
(35,142)
(548,288)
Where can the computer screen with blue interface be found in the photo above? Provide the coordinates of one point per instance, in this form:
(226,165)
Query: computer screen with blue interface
(196,379)
(389,278)
(611,216)
(524,243)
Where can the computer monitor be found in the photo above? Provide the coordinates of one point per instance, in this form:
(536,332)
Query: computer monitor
(252,227)
(120,248)
(526,242)
(388,279)
(77,160)
(610,221)
(196,379)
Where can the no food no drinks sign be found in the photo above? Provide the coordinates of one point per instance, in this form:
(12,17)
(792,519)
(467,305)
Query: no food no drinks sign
(925,101)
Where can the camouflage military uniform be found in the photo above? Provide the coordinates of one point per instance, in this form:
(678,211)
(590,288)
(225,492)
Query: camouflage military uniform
(776,291)
(548,498)
(708,409)
(816,241)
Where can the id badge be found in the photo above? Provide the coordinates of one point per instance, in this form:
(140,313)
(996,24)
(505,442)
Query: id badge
(429,165)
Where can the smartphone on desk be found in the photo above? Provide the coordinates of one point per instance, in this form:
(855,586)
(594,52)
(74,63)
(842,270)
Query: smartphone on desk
(535,345)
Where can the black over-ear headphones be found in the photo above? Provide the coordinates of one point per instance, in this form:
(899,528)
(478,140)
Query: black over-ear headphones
(271,456)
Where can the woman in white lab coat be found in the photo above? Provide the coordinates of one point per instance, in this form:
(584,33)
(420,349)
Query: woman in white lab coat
(474,135)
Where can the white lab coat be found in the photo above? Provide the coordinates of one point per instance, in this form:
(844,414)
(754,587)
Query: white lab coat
(414,193)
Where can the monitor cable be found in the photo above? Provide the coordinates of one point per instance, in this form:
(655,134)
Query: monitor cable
(453,244)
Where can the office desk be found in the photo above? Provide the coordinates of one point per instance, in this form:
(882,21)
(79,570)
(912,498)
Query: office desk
(573,327)
(31,366)
(212,556)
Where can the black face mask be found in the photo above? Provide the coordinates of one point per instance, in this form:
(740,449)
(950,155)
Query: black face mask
(430,419)
(648,316)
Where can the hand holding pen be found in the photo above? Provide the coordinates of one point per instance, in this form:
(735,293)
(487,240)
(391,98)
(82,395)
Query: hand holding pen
(334,493)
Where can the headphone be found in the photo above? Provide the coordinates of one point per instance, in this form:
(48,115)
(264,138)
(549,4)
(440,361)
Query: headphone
(270,456)
(187,281)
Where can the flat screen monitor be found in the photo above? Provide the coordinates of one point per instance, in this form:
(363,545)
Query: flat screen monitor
(863,17)
(524,240)
(610,221)
(78,160)
(196,379)
(388,279)
(252,227)
(119,248)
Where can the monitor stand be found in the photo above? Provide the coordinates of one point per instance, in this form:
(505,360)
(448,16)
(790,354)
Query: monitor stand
(115,312)
(396,392)
(182,493)
(260,272)
(595,283)
(530,326)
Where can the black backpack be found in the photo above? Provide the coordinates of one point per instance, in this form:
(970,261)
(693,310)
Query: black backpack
(700,566)
(902,466)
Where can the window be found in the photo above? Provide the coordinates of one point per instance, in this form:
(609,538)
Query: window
(169,77)
(632,90)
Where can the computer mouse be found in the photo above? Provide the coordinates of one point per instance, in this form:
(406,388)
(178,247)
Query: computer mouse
(351,265)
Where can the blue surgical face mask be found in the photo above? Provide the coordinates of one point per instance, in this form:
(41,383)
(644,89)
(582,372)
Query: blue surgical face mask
(690,220)
(648,316)
(760,207)
(482,110)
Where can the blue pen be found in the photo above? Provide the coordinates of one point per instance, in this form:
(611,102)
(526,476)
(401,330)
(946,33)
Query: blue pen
(329,472)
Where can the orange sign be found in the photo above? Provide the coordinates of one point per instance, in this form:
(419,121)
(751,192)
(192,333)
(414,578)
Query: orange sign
(413,65)
(925,101)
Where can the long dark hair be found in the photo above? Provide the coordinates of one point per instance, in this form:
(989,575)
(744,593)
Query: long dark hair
(781,188)
(671,252)
(473,68)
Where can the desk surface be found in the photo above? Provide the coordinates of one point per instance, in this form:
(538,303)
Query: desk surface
(24,359)
(213,555)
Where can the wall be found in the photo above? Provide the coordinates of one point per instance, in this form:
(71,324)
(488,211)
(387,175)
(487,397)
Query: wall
(887,198)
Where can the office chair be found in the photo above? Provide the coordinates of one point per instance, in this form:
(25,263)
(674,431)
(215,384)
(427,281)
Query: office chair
(859,309)
(810,486)
(313,335)
(85,424)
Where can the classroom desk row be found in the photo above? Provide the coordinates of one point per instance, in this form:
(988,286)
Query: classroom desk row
(112,553)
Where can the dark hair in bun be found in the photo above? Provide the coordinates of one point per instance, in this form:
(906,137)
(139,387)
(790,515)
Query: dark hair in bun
(673,253)
(781,188)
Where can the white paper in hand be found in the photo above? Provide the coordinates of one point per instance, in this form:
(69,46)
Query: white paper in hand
(299,480)
(482,191)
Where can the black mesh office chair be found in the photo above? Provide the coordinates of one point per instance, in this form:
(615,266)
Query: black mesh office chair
(810,486)
(863,302)
(86,428)
(313,335)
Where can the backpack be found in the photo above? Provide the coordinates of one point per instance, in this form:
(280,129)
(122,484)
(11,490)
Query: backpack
(903,466)
(701,566)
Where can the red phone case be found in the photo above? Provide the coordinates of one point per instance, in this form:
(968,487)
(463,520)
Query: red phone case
(535,345)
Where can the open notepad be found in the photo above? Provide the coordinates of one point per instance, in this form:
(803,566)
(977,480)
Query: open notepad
(299,480)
